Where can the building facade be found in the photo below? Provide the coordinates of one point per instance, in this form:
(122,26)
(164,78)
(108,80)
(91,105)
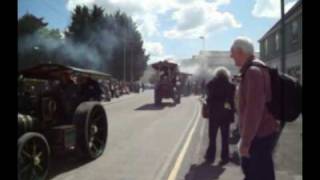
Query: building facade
(270,43)
(212,59)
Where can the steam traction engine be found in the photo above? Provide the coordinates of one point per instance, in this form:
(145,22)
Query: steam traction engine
(54,117)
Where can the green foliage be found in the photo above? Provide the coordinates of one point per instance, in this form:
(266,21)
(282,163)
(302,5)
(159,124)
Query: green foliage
(28,24)
(30,52)
(111,41)
(114,36)
(50,33)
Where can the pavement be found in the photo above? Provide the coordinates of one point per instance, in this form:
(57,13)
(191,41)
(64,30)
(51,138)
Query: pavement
(287,157)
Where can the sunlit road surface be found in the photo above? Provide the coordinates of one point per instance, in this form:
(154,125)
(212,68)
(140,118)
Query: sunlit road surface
(148,142)
(143,140)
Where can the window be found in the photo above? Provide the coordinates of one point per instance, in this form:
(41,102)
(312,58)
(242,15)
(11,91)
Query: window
(294,31)
(266,47)
(277,41)
(262,50)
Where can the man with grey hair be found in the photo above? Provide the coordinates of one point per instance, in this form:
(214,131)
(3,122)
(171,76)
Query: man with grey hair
(258,128)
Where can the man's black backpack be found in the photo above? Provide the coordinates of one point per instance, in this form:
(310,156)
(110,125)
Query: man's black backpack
(286,102)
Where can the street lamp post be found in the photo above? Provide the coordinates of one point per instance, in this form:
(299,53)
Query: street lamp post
(203,42)
(124,62)
(202,67)
(124,54)
(131,65)
(203,49)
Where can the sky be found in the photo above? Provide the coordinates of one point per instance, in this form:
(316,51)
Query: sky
(172,28)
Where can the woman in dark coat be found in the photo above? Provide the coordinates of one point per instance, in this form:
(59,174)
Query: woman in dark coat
(220,101)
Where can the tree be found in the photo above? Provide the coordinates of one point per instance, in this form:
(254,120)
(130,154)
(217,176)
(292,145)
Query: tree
(51,42)
(50,33)
(114,37)
(29,24)
(79,27)
(130,50)
(97,18)
(93,36)
(29,51)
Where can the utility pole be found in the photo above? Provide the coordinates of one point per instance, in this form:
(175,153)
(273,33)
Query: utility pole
(283,58)
(283,39)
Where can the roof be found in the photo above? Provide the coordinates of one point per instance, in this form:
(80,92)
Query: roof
(286,16)
(185,74)
(165,63)
(55,71)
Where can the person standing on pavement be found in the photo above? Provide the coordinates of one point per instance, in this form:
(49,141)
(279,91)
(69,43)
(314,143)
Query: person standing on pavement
(258,128)
(220,100)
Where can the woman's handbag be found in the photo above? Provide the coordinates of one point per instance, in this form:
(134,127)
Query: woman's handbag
(204,110)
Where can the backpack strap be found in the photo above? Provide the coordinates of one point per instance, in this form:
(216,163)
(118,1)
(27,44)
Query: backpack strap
(253,64)
(257,65)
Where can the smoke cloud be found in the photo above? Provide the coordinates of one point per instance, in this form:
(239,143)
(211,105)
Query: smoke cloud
(198,68)
(85,55)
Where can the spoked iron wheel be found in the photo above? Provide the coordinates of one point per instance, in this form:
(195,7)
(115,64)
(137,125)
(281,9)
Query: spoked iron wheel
(92,129)
(33,157)
(97,132)
(157,99)
(177,99)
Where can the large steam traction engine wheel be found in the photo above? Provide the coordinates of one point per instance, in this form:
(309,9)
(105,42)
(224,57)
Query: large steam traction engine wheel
(92,129)
(176,96)
(177,99)
(33,157)
(157,98)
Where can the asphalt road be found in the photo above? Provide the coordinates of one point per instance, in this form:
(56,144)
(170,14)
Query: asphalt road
(143,140)
(146,142)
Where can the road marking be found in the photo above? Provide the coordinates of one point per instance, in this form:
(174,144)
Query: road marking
(166,166)
(177,165)
(202,131)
